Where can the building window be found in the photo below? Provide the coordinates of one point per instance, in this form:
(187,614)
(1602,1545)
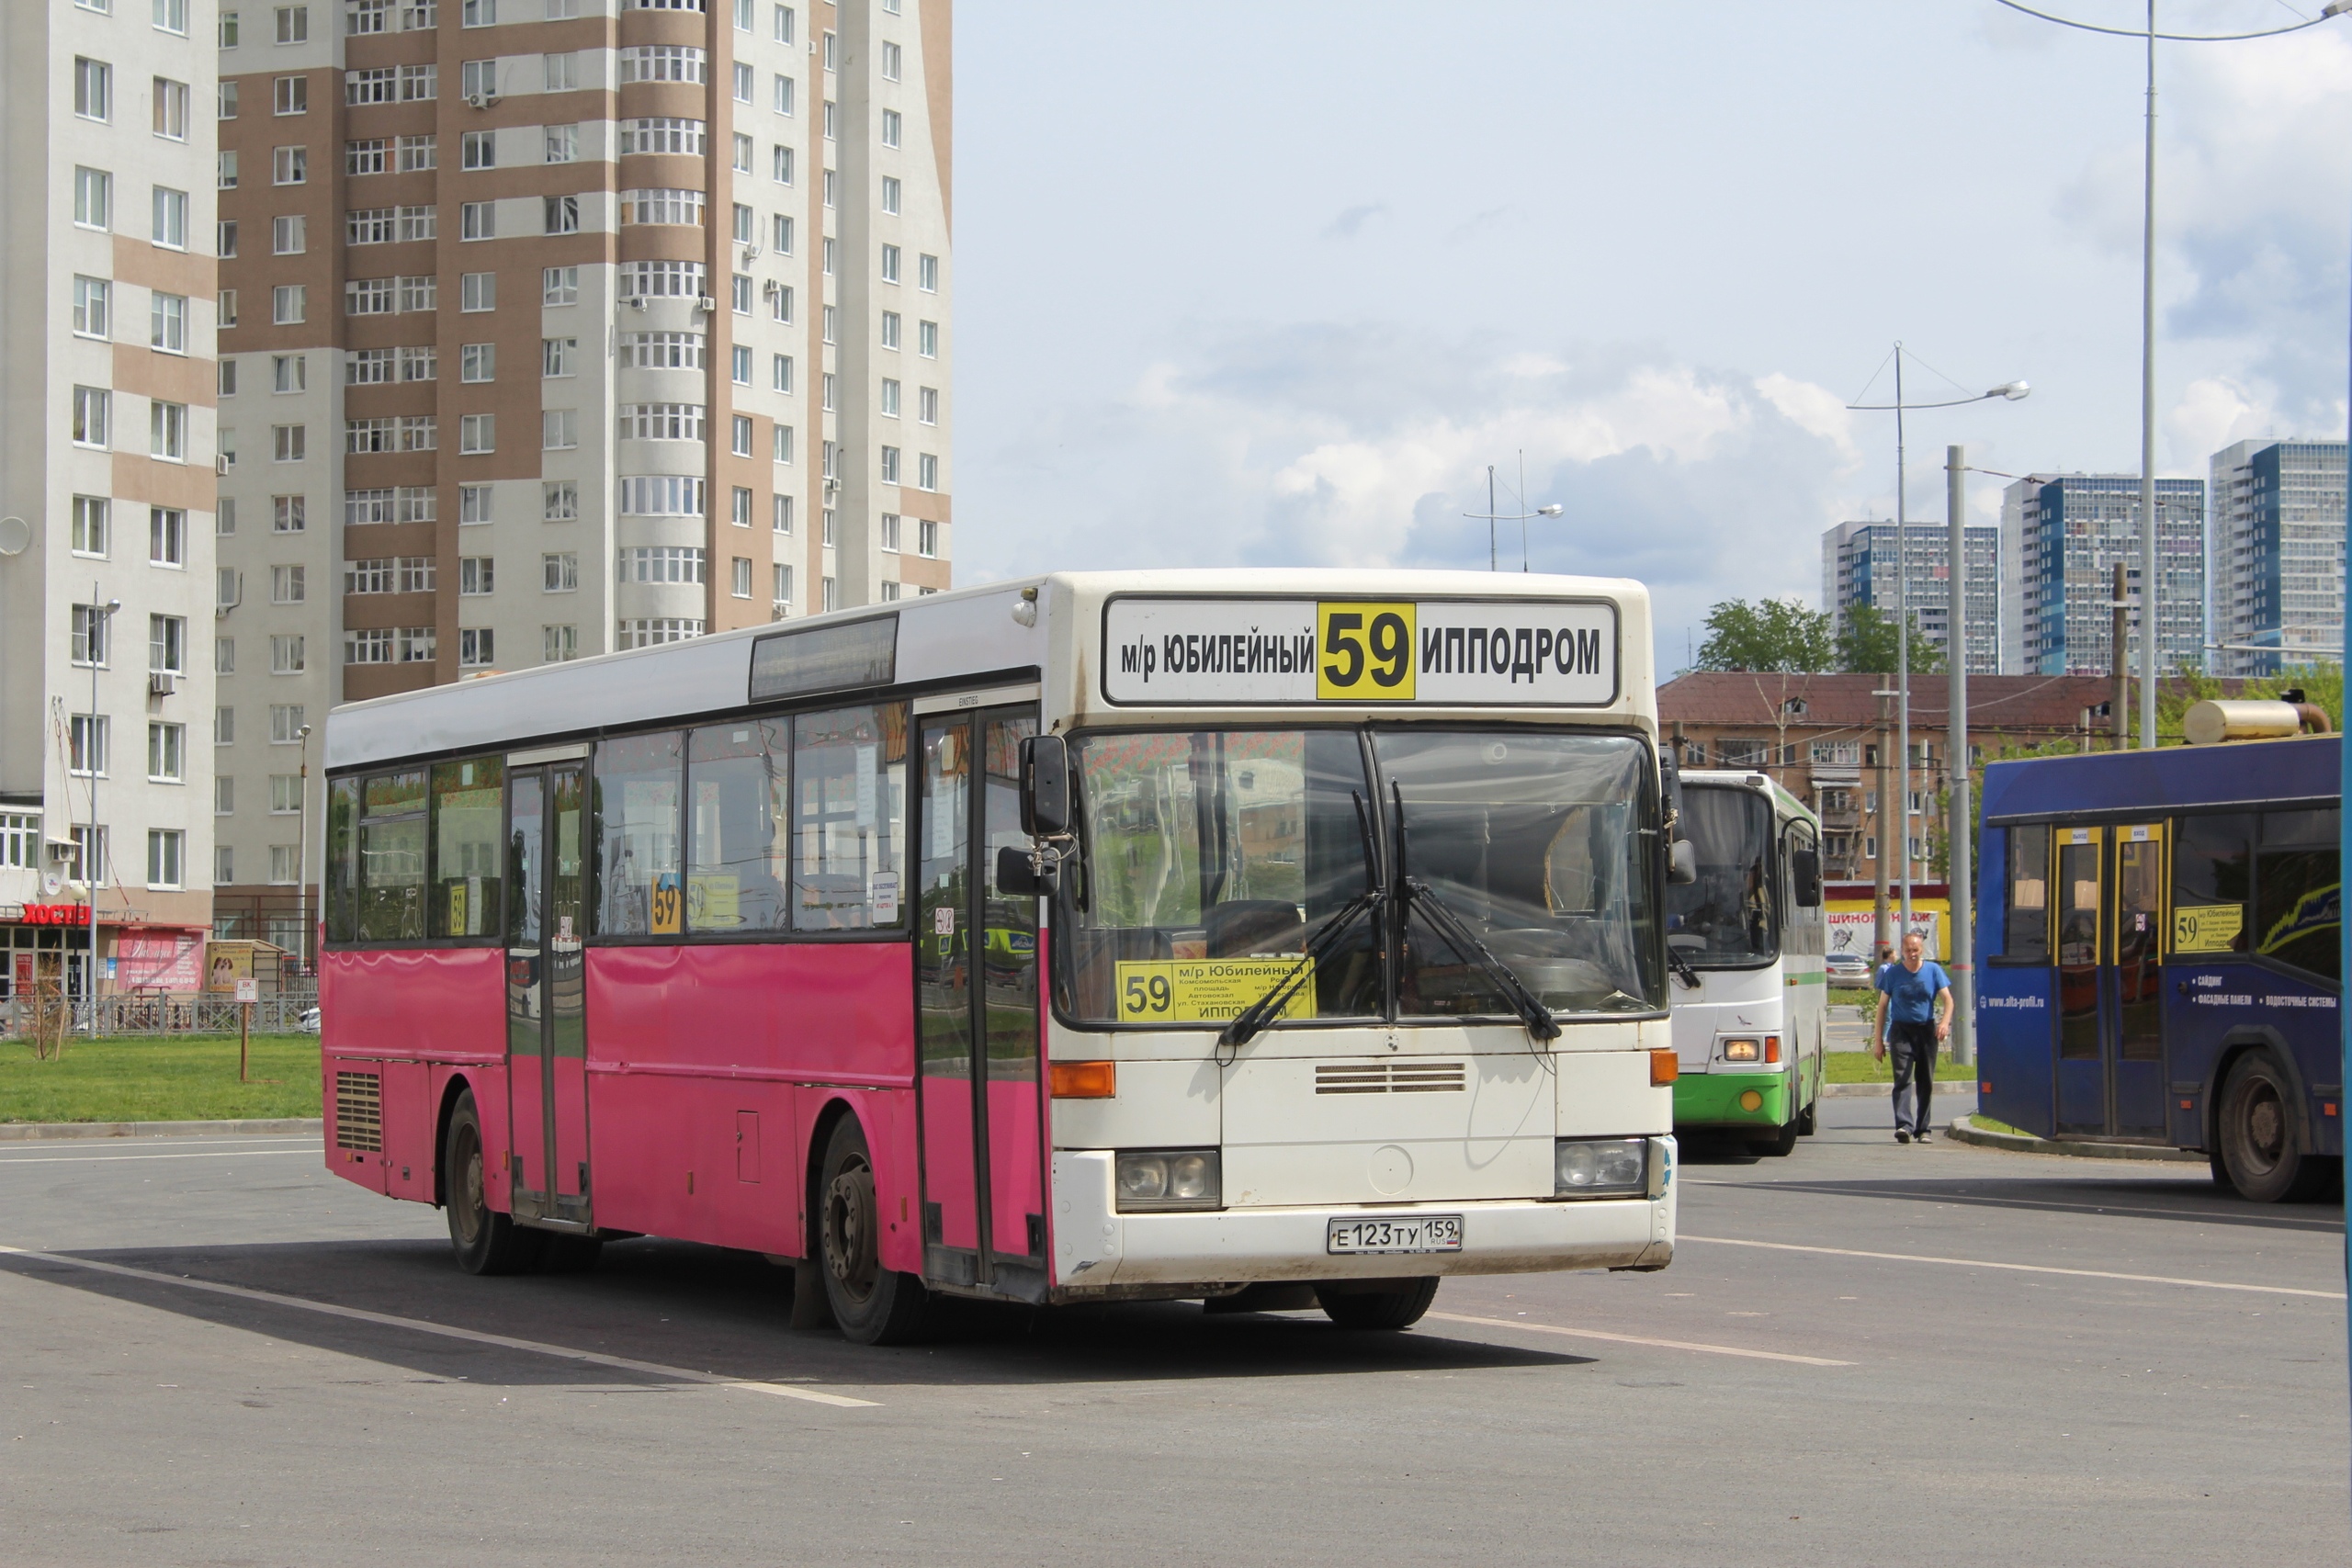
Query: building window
(286,514)
(417,153)
(290,235)
(288,442)
(926,538)
(170,105)
(557,644)
(478,362)
(293,24)
(560,502)
(780,378)
(559,429)
(93,198)
(473,505)
(171,16)
(478,291)
(292,95)
(889,398)
(780,162)
(93,411)
(286,724)
(289,165)
(783,510)
(559,72)
(654,631)
(927,405)
(558,572)
(93,89)
(477,648)
(890,128)
(829,594)
(281,864)
(741,444)
(783,442)
(91,516)
(560,286)
(86,745)
(562,146)
(167,431)
(891,194)
(687,136)
(889,464)
(165,846)
(891,533)
(286,654)
(562,214)
(88,646)
(740,510)
(889,329)
(927,471)
(478,220)
(166,744)
(91,300)
(477,576)
(477,433)
(290,304)
(780,585)
(661,563)
(890,61)
(927,338)
(285,795)
(739,577)
(171,218)
(286,584)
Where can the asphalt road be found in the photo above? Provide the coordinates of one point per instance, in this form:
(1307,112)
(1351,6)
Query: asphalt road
(1834,1371)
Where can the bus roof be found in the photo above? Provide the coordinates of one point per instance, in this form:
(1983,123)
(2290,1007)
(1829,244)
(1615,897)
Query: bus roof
(1785,806)
(1019,629)
(2101,784)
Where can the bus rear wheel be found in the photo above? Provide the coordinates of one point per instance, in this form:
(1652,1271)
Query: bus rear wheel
(1388,1305)
(1781,1144)
(2262,1150)
(486,1241)
(873,1306)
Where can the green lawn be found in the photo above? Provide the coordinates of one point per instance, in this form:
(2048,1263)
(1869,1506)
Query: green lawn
(177,1078)
(1858,1066)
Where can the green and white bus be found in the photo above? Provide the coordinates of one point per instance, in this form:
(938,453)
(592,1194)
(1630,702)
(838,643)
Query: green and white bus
(1746,941)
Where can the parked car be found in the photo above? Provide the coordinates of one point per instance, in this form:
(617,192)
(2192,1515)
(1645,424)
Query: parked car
(309,1022)
(1848,969)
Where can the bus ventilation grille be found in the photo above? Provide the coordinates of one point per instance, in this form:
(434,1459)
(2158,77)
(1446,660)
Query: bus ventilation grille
(1391,1077)
(358,1112)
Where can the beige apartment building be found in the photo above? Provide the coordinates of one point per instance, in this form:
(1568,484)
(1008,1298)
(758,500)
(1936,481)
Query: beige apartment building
(555,327)
(107,486)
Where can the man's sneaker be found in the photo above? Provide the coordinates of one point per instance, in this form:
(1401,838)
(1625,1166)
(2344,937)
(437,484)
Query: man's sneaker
(1900,1136)
(1920,1136)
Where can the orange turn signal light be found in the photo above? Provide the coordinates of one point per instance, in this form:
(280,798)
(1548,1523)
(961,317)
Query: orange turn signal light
(1084,1080)
(1771,1047)
(1665,1067)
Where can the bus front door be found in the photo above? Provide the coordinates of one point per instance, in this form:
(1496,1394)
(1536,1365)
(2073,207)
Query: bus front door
(2130,1003)
(976,984)
(2082,1066)
(546,1085)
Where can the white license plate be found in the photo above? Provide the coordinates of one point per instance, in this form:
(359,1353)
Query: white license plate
(1420,1233)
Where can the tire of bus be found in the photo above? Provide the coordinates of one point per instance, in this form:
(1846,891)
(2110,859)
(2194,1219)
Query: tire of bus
(1781,1144)
(1387,1307)
(486,1241)
(873,1306)
(1809,1119)
(2262,1154)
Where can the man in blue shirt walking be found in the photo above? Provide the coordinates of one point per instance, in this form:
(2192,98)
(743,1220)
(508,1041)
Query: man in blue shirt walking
(1914,1017)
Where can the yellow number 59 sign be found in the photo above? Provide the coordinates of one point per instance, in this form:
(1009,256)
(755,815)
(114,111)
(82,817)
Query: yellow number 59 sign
(1363,652)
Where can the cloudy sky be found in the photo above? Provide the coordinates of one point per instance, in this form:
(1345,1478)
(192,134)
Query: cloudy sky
(1272,283)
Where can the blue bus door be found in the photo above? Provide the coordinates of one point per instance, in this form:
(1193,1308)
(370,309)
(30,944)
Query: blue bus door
(2110,1017)
(2082,1059)
(2133,988)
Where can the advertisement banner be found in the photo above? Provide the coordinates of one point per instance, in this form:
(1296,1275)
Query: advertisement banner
(1851,931)
(160,961)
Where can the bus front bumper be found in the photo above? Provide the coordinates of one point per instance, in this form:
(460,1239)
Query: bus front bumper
(1096,1245)
(1719,1098)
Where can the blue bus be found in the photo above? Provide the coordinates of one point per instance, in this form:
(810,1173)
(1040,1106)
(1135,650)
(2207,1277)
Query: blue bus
(2158,959)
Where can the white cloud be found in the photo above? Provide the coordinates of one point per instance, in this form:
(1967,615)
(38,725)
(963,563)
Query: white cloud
(2212,412)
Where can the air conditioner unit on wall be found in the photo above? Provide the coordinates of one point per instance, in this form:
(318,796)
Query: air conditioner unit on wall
(707,305)
(163,682)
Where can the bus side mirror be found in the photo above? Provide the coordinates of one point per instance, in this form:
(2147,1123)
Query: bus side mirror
(1806,865)
(1017,875)
(1681,864)
(1045,787)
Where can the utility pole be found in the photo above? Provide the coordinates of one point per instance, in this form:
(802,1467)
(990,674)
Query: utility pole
(2119,663)
(2148,619)
(1959,827)
(1903,640)
(1878,861)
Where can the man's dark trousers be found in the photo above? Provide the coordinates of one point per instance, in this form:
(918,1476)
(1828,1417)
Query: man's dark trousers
(1912,1048)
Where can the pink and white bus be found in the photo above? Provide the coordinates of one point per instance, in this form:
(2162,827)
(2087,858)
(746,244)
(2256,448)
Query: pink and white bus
(1269,938)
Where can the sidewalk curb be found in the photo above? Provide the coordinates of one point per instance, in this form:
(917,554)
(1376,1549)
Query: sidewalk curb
(1964,1130)
(23,1132)
(1886,1091)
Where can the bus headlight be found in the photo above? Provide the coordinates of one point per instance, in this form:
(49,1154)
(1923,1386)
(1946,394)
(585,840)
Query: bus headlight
(1168,1179)
(1742,1051)
(1599,1167)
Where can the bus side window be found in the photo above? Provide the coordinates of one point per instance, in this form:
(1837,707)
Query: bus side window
(2298,890)
(637,891)
(739,826)
(391,858)
(2212,877)
(343,860)
(2028,912)
(468,809)
(849,818)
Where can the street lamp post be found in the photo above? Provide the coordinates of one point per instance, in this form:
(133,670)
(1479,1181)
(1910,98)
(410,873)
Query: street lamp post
(100,627)
(2011,391)
(1490,517)
(2149,598)
(302,860)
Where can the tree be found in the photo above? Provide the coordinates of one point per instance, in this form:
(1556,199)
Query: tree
(1866,645)
(1771,634)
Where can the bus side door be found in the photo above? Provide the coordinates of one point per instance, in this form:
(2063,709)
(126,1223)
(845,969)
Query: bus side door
(2076,950)
(2133,1036)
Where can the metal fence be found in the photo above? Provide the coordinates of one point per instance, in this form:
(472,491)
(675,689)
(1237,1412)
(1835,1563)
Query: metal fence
(203,1014)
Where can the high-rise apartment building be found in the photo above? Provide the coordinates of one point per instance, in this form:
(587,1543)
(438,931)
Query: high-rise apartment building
(2061,536)
(1858,568)
(107,471)
(2277,543)
(554,327)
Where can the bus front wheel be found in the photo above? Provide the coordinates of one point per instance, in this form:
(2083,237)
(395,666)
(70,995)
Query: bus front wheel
(873,1305)
(486,1241)
(1783,1141)
(2262,1152)
(1390,1304)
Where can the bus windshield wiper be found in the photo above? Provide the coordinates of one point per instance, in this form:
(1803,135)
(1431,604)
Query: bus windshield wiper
(1252,1020)
(1682,967)
(1457,934)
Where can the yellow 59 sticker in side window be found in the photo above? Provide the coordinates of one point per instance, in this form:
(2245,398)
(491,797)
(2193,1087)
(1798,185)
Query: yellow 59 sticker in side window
(2207,927)
(1434,652)
(1206,990)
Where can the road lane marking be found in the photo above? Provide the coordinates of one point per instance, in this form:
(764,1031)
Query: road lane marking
(2016,1267)
(446,1331)
(141,1141)
(1637,1340)
(2228,1217)
(97,1159)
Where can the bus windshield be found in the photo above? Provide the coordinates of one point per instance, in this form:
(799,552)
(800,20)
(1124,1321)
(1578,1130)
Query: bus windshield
(1209,858)
(1725,920)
